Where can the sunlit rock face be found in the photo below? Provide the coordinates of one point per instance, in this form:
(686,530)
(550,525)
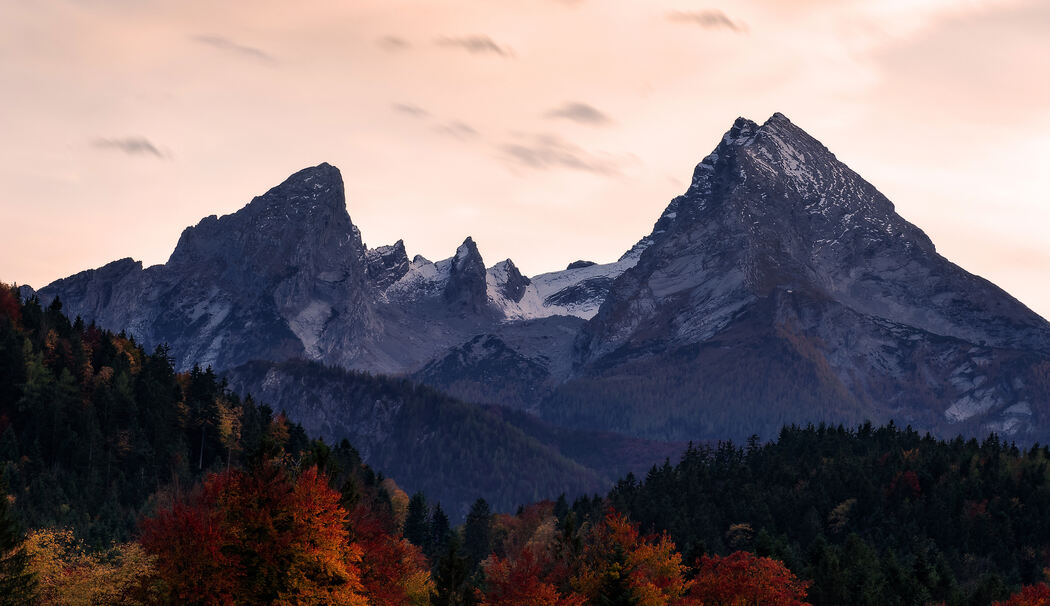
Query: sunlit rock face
(780,288)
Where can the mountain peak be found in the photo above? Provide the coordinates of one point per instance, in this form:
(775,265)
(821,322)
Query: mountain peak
(304,214)
(308,190)
(466,285)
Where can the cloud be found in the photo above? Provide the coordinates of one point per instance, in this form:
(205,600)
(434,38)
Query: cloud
(547,152)
(133,146)
(476,45)
(579,112)
(458,129)
(229,46)
(708,19)
(393,43)
(410,110)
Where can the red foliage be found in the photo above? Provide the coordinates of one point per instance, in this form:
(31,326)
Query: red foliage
(188,539)
(542,567)
(10,306)
(1030,595)
(259,537)
(392,566)
(744,578)
(523,581)
(906,484)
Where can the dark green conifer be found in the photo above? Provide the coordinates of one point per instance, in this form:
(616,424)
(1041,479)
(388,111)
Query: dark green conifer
(17,583)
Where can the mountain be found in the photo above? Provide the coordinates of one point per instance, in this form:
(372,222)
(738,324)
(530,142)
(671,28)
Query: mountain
(781,287)
(451,450)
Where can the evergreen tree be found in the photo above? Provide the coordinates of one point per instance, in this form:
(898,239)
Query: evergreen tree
(17,583)
(477,532)
(615,590)
(440,531)
(452,586)
(417,527)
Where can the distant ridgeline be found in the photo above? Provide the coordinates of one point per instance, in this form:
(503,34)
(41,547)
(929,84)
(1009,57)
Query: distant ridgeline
(96,433)
(780,287)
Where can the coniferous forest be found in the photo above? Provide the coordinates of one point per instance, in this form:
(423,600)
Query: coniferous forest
(129,483)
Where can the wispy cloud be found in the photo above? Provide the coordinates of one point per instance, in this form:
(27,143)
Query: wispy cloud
(579,112)
(548,152)
(133,146)
(458,129)
(708,19)
(410,110)
(477,45)
(229,46)
(393,43)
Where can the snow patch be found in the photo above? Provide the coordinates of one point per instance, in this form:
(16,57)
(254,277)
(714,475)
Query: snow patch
(308,324)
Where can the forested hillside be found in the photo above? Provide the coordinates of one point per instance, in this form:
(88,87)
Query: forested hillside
(873,515)
(91,425)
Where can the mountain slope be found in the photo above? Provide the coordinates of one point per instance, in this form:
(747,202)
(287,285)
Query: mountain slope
(782,286)
(451,450)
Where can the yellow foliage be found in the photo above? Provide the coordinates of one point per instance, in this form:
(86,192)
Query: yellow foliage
(398,500)
(68,575)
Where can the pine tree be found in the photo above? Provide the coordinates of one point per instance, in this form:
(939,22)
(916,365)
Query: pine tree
(440,531)
(477,532)
(615,590)
(452,585)
(417,527)
(17,583)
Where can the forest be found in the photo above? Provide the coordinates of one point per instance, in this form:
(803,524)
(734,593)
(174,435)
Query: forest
(125,482)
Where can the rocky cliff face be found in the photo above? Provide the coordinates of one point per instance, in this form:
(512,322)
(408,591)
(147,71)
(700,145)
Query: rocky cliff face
(779,257)
(781,287)
(264,282)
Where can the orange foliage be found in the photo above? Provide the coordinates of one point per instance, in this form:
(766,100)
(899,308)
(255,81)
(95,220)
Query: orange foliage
(651,566)
(259,537)
(1030,595)
(521,582)
(539,569)
(743,578)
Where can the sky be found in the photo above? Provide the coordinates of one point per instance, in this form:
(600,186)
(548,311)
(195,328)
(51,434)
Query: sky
(548,130)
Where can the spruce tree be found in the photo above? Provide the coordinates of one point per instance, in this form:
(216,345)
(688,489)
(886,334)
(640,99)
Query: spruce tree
(417,527)
(615,590)
(477,532)
(452,586)
(440,531)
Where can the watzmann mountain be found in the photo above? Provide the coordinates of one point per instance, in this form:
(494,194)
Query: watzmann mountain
(780,288)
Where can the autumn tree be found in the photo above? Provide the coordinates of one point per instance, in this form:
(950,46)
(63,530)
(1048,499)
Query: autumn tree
(620,566)
(70,575)
(743,578)
(1030,595)
(612,564)
(394,572)
(258,536)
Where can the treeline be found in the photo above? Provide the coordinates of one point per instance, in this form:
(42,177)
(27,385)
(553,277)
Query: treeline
(873,515)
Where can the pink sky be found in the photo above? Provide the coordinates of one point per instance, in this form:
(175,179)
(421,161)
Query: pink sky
(548,130)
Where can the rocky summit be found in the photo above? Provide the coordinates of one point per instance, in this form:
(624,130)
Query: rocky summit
(780,288)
